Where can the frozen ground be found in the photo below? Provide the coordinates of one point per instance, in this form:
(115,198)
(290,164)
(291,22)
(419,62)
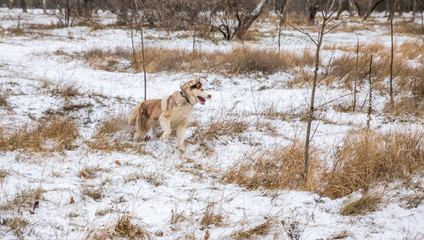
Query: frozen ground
(160,186)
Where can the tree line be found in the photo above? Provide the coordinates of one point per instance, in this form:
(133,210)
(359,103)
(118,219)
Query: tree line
(230,18)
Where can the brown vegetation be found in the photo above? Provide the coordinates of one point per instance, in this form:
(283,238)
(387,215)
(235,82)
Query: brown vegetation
(366,158)
(240,60)
(111,135)
(54,134)
(210,217)
(261,230)
(278,168)
(123,228)
(367,203)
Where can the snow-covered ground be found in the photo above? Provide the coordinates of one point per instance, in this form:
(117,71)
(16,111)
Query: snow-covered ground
(160,190)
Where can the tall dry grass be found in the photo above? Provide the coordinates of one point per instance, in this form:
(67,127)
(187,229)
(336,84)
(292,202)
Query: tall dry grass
(111,135)
(366,158)
(278,168)
(240,60)
(53,134)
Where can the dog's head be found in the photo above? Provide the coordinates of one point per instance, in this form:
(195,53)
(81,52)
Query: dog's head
(195,92)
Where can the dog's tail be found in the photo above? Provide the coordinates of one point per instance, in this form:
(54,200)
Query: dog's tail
(142,120)
(134,115)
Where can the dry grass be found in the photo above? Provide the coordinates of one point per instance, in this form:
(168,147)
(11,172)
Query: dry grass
(112,135)
(108,60)
(3,99)
(367,158)
(367,203)
(126,229)
(260,230)
(205,135)
(210,217)
(17,225)
(65,90)
(94,192)
(411,49)
(23,200)
(278,168)
(240,60)
(123,229)
(89,172)
(412,200)
(54,134)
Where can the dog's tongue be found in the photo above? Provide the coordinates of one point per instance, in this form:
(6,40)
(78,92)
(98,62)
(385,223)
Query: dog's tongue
(202,100)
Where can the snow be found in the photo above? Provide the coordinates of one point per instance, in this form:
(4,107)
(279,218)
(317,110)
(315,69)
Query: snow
(165,184)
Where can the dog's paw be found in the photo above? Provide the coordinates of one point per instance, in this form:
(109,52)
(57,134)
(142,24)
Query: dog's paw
(146,138)
(182,149)
(163,138)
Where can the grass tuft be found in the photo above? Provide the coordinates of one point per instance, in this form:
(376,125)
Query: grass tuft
(210,217)
(278,168)
(126,229)
(364,205)
(366,158)
(54,134)
(261,230)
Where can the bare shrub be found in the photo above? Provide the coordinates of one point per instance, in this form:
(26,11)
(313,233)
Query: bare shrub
(367,157)
(278,168)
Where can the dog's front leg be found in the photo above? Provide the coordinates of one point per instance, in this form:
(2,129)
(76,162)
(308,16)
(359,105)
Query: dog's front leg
(166,126)
(180,135)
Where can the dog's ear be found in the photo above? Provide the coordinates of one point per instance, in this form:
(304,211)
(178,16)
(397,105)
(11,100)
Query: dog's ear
(184,88)
(196,83)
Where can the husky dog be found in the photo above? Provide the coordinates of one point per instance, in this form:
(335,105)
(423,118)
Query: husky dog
(170,113)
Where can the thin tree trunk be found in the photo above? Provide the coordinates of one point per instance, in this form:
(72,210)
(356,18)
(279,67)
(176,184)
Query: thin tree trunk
(133,47)
(371,8)
(194,37)
(312,107)
(356,74)
(370,95)
(142,49)
(392,14)
(44,6)
(246,22)
(144,62)
(279,35)
(24,6)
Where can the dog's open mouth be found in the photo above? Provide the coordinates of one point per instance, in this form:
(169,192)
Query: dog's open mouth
(202,100)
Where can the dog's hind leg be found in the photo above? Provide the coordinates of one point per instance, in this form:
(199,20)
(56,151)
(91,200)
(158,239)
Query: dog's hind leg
(180,135)
(166,126)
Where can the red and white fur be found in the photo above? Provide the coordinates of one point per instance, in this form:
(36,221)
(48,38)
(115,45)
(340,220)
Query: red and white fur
(170,113)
